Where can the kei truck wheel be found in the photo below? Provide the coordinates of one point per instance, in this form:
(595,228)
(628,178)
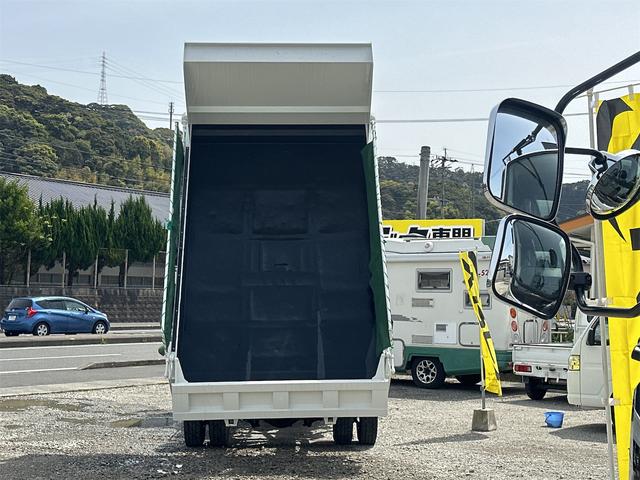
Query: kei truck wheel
(194,431)
(534,389)
(428,373)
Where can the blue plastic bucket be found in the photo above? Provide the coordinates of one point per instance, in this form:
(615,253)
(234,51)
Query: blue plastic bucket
(554,419)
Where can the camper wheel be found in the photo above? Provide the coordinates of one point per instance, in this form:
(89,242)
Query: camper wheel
(194,431)
(428,373)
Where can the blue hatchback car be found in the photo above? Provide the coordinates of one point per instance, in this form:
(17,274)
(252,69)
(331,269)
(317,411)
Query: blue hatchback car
(44,315)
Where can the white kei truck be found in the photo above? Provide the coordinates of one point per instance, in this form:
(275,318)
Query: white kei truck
(279,314)
(435,331)
(574,367)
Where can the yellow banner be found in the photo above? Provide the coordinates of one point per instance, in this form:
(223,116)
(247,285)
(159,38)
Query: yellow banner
(488,351)
(434,228)
(618,124)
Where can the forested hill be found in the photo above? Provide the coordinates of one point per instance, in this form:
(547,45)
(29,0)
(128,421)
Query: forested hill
(45,135)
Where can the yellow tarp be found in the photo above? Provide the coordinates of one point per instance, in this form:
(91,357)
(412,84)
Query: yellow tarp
(488,351)
(622,272)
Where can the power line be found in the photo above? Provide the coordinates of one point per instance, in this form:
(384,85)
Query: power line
(84,72)
(491,89)
(92,90)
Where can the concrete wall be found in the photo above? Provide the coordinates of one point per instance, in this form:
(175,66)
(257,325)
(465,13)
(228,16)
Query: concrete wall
(120,305)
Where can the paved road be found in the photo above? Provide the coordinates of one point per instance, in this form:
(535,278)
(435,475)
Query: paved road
(26,366)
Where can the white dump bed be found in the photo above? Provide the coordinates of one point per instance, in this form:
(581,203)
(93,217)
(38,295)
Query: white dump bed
(289,84)
(244,102)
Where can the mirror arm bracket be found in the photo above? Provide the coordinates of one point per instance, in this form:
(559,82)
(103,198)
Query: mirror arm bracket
(603,311)
(595,80)
(580,280)
(599,161)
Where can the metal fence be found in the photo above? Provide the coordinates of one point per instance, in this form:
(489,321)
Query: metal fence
(111,268)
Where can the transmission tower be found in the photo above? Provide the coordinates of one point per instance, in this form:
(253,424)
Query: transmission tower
(102,93)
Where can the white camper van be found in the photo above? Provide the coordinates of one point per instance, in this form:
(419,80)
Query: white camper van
(435,331)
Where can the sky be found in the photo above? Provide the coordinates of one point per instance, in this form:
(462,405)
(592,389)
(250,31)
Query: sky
(433,60)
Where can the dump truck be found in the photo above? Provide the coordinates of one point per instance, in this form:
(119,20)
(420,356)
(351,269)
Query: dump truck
(276,308)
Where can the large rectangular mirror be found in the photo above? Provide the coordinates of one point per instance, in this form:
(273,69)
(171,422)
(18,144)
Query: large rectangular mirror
(524,159)
(531,265)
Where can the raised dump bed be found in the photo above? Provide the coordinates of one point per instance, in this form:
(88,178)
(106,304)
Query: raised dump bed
(281,311)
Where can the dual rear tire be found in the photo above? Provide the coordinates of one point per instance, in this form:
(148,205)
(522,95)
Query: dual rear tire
(366,430)
(195,432)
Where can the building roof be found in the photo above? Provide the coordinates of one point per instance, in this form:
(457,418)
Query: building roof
(80,194)
(579,226)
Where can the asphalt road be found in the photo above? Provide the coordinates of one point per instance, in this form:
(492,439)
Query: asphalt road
(28,366)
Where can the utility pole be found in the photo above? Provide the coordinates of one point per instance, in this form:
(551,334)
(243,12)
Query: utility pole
(423,182)
(170,115)
(102,93)
(444,159)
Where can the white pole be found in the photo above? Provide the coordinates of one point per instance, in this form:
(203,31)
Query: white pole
(601,292)
(28,268)
(126,266)
(64,266)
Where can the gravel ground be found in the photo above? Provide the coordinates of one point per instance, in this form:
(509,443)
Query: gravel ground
(128,433)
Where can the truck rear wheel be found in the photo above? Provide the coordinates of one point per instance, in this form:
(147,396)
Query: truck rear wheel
(194,431)
(428,373)
(219,434)
(367,428)
(343,431)
(534,389)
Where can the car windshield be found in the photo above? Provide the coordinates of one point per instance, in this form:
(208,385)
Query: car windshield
(19,304)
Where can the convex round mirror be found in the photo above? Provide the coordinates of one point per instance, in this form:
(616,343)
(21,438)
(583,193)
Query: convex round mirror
(524,158)
(531,265)
(618,188)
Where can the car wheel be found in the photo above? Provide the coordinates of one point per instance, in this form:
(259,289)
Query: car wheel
(100,328)
(428,373)
(41,329)
(219,434)
(534,389)
(343,431)
(11,334)
(194,431)
(367,429)
(471,379)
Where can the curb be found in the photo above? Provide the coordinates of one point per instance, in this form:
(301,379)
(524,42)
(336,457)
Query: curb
(126,363)
(134,326)
(69,340)
(80,387)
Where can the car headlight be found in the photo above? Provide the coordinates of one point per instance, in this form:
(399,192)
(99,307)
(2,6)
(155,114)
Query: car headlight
(574,362)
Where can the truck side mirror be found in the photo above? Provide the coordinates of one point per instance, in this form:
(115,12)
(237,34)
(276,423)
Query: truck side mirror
(532,267)
(617,188)
(524,159)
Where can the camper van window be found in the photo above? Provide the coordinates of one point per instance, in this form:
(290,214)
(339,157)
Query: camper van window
(434,280)
(485,297)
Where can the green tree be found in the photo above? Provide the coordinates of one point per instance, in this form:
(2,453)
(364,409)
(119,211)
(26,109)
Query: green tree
(37,159)
(20,228)
(137,231)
